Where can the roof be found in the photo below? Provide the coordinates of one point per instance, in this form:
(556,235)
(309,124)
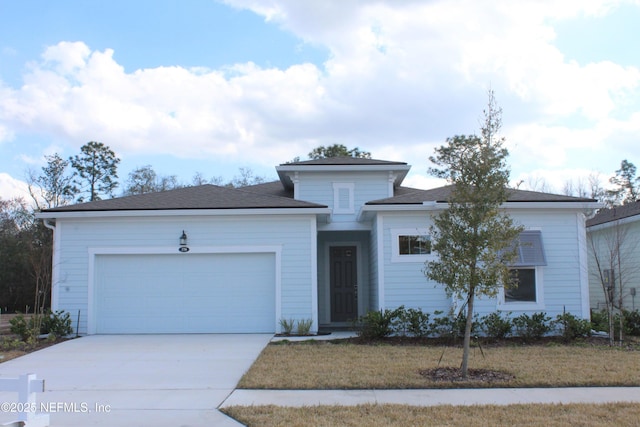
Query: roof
(199,197)
(613,214)
(342,161)
(442,194)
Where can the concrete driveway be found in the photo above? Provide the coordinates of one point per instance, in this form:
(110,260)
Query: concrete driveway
(138,380)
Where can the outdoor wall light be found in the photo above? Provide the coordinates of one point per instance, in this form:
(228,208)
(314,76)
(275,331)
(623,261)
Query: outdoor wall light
(183,239)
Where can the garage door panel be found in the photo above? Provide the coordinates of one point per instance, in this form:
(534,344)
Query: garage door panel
(185,293)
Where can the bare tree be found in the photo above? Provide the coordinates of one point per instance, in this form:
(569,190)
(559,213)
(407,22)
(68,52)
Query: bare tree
(612,249)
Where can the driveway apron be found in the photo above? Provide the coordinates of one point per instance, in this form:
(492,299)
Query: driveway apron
(138,380)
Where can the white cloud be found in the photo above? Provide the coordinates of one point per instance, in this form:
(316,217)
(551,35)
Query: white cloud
(12,188)
(401,77)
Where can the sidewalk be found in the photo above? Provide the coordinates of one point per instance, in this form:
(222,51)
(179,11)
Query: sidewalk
(433,397)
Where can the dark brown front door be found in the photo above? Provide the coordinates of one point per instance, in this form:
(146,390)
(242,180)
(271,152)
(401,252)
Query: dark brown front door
(344,288)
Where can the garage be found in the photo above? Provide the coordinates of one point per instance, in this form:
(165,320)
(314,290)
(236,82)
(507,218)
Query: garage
(185,293)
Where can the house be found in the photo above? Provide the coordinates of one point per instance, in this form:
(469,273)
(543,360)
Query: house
(613,241)
(332,239)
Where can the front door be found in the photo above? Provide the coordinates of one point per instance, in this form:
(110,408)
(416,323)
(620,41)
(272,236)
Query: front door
(344,285)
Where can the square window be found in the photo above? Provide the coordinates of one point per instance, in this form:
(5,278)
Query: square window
(524,289)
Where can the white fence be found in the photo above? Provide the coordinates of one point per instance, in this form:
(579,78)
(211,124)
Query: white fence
(25,408)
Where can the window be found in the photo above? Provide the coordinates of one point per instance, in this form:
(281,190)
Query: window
(523,287)
(414,245)
(410,245)
(527,291)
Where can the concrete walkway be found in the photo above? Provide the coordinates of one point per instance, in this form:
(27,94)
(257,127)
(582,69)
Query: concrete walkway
(433,397)
(138,380)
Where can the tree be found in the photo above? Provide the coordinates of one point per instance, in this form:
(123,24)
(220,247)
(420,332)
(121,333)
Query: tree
(614,265)
(141,180)
(54,187)
(96,171)
(337,150)
(473,239)
(627,185)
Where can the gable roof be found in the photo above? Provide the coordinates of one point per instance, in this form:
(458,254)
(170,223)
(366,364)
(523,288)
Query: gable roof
(442,194)
(613,214)
(199,197)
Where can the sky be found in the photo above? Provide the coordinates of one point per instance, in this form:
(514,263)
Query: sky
(209,87)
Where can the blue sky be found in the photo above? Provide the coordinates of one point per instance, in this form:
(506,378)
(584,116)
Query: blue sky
(211,87)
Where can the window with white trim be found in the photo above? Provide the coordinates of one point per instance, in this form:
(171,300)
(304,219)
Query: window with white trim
(525,290)
(410,245)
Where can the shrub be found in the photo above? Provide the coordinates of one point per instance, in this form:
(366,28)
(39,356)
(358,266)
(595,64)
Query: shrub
(287,326)
(572,327)
(56,324)
(632,322)
(414,322)
(532,327)
(378,324)
(441,326)
(304,326)
(600,321)
(496,326)
(21,327)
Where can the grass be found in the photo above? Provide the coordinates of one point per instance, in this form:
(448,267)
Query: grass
(322,365)
(618,414)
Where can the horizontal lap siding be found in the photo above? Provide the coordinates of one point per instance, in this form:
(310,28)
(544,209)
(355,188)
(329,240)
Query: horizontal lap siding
(405,283)
(603,239)
(317,188)
(292,233)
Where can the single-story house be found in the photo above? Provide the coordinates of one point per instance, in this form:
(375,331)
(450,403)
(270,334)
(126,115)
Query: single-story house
(613,241)
(332,239)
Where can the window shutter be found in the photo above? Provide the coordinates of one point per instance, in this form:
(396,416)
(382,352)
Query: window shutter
(530,249)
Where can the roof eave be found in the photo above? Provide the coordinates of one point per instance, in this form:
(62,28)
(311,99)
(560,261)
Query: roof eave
(182,212)
(285,171)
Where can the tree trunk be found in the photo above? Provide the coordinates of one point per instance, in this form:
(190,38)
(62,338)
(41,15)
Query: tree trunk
(467,335)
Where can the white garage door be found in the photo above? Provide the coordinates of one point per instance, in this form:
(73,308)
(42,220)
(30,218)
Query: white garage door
(185,293)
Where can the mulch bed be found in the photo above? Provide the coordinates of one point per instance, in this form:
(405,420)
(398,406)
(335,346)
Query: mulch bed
(453,375)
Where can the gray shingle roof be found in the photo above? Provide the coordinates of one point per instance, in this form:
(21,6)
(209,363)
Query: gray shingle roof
(442,194)
(199,197)
(343,161)
(614,214)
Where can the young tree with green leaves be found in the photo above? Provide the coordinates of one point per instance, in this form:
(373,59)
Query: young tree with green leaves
(473,238)
(96,171)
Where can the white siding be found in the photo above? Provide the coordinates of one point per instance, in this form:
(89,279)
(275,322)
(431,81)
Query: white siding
(291,233)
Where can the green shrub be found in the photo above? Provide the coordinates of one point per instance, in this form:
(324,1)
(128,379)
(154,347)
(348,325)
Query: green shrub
(304,326)
(56,324)
(631,322)
(414,322)
(21,327)
(572,327)
(600,321)
(441,326)
(496,326)
(378,324)
(532,327)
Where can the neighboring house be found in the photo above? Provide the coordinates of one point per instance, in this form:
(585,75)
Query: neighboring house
(332,239)
(613,241)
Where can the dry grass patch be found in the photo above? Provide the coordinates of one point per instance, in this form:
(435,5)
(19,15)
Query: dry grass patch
(319,365)
(619,414)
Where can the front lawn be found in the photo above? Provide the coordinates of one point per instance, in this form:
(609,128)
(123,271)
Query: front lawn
(327,365)
(619,414)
